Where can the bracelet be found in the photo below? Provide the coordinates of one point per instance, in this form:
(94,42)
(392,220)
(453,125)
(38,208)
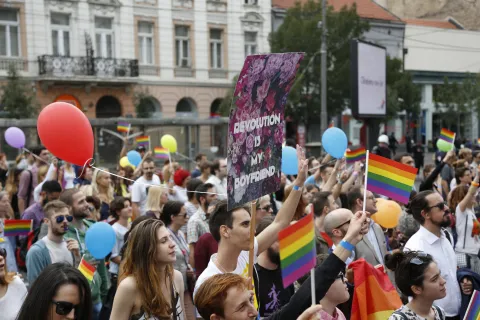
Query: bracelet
(347,245)
(296,188)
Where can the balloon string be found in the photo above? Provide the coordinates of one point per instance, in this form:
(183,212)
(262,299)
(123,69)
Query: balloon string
(35,156)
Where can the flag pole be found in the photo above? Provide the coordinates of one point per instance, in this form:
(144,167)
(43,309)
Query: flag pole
(453,143)
(253,210)
(312,286)
(365,183)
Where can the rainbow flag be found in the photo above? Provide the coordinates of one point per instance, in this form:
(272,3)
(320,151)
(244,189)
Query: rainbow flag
(473,310)
(447,135)
(123,126)
(17,228)
(161,153)
(143,140)
(390,178)
(86,269)
(375,297)
(356,155)
(297,250)
(478,141)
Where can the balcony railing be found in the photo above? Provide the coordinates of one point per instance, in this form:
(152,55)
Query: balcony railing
(149,70)
(61,66)
(18,63)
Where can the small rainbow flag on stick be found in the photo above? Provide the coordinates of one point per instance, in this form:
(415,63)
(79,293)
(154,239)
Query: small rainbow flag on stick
(161,153)
(17,228)
(356,155)
(390,178)
(86,269)
(297,250)
(447,135)
(143,140)
(473,310)
(123,126)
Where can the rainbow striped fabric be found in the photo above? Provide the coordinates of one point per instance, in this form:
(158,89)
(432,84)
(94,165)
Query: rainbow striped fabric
(86,269)
(123,126)
(473,310)
(356,155)
(478,141)
(143,140)
(390,178)
(297,250)
(14,228)
(447,135)
(161,153)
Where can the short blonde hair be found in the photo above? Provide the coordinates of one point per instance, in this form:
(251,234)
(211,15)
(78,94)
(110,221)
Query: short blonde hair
(153,198)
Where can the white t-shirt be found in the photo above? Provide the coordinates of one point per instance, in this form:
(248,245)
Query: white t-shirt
(472,243)
(58,251)
(119,241)
(180,194)
(139,191)
(212,269)
(12,301)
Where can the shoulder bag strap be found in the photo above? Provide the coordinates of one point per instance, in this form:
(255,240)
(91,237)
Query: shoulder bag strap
(439,311)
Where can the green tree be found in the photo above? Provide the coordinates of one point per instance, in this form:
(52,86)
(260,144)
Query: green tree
(18,100)
(450,100)
(143,104)
(300,33)
(226,104)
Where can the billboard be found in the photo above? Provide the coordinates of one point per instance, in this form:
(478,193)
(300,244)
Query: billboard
(368,79)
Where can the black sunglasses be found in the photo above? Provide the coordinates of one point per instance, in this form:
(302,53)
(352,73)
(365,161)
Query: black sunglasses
(338,227)
(266,208)
(440,206)
(63,308)
(60,219)
(3,252)
(341,276)
(417,261)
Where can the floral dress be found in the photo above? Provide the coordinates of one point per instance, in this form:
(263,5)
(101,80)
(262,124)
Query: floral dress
(405,313)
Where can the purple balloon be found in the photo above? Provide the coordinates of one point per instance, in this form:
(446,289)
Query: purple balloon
(15,137)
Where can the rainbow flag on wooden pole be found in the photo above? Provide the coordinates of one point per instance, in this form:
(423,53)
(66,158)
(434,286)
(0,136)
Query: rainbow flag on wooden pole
(389,178)
(473,310)
(161,153)
(123,127)
(355,155)
(87,269)
(447,135)
(297,250)
(143,141)
(14,228)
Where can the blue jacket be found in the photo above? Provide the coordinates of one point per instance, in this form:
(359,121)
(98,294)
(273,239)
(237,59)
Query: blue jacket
(475,278)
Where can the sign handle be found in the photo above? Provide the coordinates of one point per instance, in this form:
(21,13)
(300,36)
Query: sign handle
(253,210)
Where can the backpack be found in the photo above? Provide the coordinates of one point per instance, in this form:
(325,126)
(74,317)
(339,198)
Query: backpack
(25,244)
(404,316)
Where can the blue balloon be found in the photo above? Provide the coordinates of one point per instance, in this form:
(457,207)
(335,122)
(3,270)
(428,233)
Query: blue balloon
(100,239)
(335,143)
(134,158)
(289,160)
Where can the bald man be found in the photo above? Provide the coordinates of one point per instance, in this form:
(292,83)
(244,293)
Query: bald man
(336,224)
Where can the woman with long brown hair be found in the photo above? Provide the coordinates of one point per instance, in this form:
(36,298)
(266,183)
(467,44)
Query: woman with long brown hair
(149,289)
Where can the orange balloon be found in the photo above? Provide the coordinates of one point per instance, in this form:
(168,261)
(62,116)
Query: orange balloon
(388,213)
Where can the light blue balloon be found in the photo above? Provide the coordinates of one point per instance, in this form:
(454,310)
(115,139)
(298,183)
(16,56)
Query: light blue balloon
(289,160)
(335,143)
(134,158)
(100,239)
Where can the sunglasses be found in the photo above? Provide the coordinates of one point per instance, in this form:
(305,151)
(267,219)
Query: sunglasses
(341,276)
(3,252)
(417,261)
(60,219)
(338,227)
(440,206)
(266,208)
(63,308)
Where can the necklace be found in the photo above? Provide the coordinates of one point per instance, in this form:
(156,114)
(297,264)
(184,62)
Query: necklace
(220,266)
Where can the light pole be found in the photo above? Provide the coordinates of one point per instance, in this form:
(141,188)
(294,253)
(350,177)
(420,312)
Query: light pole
(323,64)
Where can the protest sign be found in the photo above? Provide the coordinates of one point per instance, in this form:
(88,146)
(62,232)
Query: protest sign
(256,128)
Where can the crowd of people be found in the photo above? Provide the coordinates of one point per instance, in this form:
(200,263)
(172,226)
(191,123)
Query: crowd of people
(179,252)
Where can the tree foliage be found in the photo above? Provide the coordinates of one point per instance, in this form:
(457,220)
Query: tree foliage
(143,104)
(18,99)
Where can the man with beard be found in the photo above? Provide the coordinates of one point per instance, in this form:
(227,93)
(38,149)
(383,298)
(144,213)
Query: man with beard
(268,277)
(198,223)
(50,191)
(77,229)
(53,247)
(139,188)
(429,209)
(219,178)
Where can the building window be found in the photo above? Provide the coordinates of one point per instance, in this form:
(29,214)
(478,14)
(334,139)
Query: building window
(9,33)
(104,37)
(216,48)
(145,41)
(253,2)
(60,34)
(250,43)
(182,46)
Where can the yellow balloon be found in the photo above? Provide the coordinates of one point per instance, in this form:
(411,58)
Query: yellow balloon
(388,213)
(124,162)
(169,142)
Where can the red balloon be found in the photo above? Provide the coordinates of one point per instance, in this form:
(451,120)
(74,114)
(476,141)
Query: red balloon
(66,132)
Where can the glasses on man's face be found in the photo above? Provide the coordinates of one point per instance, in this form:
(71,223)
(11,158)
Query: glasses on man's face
(3,252)
(440,206)
(266,208)
(63,308)
(341,276)
(60,219)
(417,261)
(348,221)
